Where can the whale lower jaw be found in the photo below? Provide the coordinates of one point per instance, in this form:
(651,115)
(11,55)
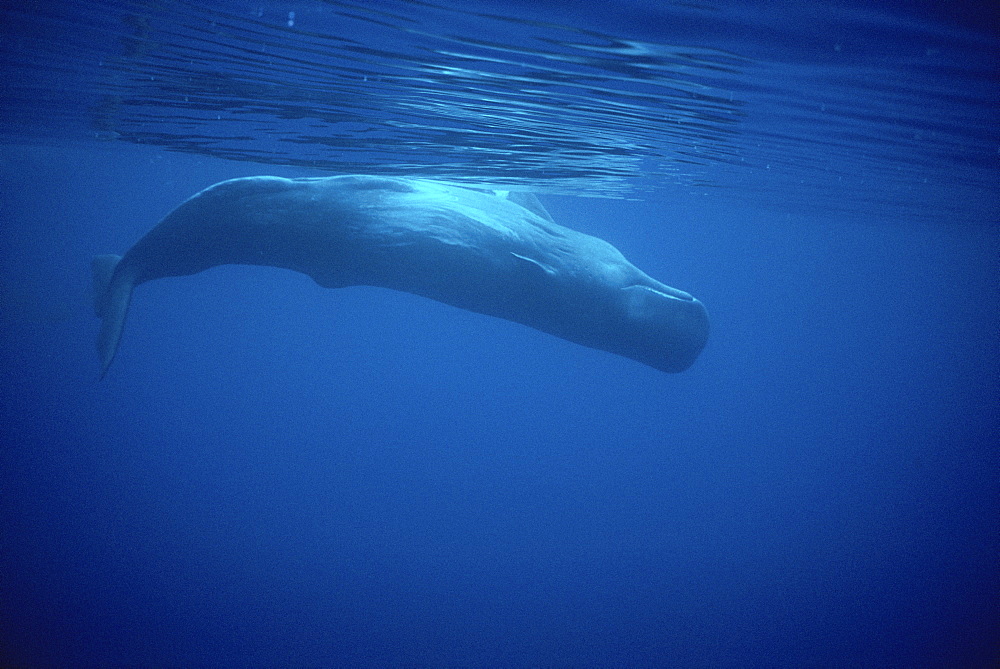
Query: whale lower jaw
(679,295)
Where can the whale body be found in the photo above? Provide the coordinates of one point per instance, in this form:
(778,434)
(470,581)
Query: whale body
(490,252)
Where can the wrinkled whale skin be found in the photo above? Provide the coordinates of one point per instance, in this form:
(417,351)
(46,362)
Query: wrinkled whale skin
(488,252)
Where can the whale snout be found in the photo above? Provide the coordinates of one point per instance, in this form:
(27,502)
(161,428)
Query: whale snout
(665,328)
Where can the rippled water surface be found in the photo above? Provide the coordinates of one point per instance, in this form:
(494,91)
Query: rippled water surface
(836,107)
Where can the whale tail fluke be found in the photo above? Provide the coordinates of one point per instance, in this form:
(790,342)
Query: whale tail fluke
(112,293)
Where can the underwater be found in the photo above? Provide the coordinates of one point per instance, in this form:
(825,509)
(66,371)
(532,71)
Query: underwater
(523,334)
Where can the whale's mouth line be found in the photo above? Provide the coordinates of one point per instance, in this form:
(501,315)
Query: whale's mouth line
(680,296)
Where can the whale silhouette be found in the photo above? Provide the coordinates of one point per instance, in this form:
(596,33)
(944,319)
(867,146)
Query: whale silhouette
(490,252)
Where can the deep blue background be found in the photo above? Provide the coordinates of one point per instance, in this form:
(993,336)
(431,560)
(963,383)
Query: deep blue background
(277,474)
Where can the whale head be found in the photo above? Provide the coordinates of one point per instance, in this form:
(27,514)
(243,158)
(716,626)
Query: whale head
(602,301)
(662,327)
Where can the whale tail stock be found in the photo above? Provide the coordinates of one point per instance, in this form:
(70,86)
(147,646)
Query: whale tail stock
(112,293)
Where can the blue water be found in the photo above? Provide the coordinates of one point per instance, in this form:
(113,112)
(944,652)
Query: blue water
(277,474)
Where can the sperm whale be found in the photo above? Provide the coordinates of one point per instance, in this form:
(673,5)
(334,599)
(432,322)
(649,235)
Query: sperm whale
(492,252)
